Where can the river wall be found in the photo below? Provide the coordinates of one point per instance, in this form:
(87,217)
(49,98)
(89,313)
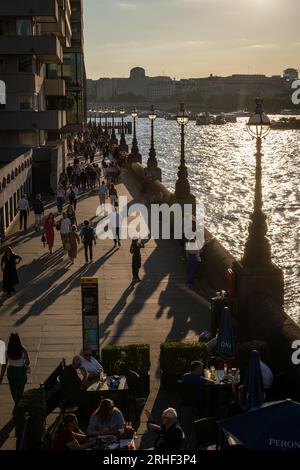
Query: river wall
(261,318)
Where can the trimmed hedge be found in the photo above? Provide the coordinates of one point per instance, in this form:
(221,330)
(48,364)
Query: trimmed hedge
(34,403)
(175,358)
(119,359)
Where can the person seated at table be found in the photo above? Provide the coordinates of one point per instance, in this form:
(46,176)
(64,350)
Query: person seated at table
(90,364)
(170,434)
(235,408)
(72,386)
(195,376)
(107,419)
(70,437)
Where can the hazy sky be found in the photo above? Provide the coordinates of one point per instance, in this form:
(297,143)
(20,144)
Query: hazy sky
(191,38)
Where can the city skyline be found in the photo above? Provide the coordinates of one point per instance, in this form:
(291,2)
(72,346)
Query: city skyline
(222,38)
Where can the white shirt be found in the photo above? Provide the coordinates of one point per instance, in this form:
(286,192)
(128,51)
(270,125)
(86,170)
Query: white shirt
(75,191)
(17,362)
(65,225)
(92,366)
(267,375)
(23,204)
(2,353)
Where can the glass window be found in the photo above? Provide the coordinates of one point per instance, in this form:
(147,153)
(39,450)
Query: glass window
(25,63)
(26,102)
(24,27)
(71,69)
(75,108)
(2,94)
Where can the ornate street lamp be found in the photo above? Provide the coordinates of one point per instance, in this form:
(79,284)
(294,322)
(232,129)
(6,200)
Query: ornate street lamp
(90,116)
(123,146)
(257,249)
(100,121)
(106,123)
(135,155)
(113,138)
(152,161)
(182,187)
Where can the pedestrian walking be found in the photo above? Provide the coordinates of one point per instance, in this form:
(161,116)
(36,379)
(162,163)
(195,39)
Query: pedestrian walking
(102,193)
(88,237)
(74,240)
(49,225)
(71,214)
(38,209)
(73,195)
(115,225)
(63,179)
(8,267)
(65,228)
(113,195)
(17,364)
(60,196)
(70,172)
(192,257)
(24,211)
(135,250)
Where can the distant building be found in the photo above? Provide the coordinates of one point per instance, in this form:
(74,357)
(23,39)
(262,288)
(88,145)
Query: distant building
(156,88)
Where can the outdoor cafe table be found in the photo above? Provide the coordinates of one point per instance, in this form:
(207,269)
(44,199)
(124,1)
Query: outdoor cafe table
(107,385)
(106,389)
(220,395)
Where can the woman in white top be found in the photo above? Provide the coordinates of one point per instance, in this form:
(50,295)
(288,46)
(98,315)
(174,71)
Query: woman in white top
(18,362)
(60,198)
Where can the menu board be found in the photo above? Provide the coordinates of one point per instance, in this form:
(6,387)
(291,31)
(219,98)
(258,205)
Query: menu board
(90,314)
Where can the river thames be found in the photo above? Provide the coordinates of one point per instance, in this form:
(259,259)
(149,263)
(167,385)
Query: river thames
(221,166)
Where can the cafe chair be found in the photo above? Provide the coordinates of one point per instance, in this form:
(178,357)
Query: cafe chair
(206,433)
(192,396)
(133,382)
(52,388)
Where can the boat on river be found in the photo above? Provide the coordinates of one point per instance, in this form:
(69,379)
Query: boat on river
(284,123)
(204,119)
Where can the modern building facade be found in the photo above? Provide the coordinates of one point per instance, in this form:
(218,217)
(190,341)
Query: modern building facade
(42,67)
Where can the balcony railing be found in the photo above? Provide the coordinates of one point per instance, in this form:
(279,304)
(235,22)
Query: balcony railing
(43,10)
(31,120)
(48,48)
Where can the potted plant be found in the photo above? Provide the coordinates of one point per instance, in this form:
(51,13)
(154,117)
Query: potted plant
(33,404)
(119,359)
(175,360)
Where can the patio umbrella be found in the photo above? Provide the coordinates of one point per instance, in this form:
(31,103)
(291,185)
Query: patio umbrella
(252,394)
(274,426)
(225,339)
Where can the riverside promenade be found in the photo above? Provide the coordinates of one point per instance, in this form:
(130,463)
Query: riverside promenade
(46,310)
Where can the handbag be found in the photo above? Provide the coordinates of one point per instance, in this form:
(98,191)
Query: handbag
(43,239)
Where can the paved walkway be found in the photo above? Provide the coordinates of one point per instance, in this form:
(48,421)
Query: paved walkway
(46,310)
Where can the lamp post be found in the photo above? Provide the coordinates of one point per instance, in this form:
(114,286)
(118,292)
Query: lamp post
(100,121)
(257,249)
(182,187)
(113,138)
(135,155)
(90,116)
(106,124)
(123,146)
(256,274)
(152,161)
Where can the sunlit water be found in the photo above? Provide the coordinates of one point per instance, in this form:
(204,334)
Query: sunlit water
(221,165)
